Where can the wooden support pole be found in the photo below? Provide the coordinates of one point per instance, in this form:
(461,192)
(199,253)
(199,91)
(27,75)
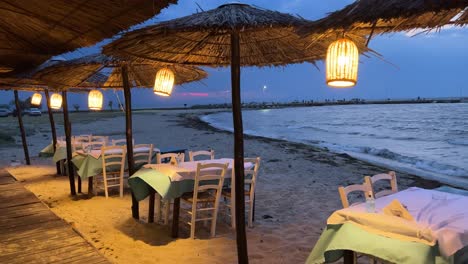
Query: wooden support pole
(129,134)
(241,238)
(23,133)
(67,125)
(52,126)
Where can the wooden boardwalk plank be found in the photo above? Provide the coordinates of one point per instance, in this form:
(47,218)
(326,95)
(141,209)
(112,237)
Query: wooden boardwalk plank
(31,233)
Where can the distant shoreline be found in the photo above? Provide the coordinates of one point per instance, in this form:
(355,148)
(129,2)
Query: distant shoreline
(312,103)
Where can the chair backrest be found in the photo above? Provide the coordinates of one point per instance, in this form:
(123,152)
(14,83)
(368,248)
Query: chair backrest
(345,191)
(104,139)
(81,139)
(143,157)
(390,176)
(113,158)
(166,158)
(207,154)
(92,145)
(210,176)
(120,142)
(251,173)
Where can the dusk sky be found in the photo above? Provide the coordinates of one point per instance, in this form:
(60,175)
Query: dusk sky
(427,65)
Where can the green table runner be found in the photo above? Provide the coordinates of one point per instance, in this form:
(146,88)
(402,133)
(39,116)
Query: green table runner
(337,238)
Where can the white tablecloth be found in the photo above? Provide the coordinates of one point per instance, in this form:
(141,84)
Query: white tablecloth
(96,153)
(188,170)
(445,214)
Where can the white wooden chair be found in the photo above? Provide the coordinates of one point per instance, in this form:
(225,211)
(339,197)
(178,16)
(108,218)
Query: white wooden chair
(365,188)
(249,192)
(121,142)
(206,194)
(104,139)
(93,145)
(208,154)
(390,176)
(78,141)
(345,191)
(113,169)
(141,158)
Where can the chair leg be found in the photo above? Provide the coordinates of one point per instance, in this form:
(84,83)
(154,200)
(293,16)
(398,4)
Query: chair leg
(213,222)
(251,211)
(121,185)
(106,192)
(192,221)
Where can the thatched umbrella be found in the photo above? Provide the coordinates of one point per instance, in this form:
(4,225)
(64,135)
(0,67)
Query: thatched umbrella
(101,71)
(105,72)
(382,16)
(232,34)
(31,31)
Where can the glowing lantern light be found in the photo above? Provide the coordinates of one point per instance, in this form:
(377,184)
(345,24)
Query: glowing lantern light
(95,99)
(342,63)
(164,82)
(55,101)
(36,99)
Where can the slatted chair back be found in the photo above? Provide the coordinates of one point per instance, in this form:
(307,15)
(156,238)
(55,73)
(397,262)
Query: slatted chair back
(167,157)
(104,139)
(94,145)
(390,176)
(142,157)
(209,180)
(345,191)
(120,142)
(206,154)
(113,167)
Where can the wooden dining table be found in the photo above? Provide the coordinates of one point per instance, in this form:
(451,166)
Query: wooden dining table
(171,181)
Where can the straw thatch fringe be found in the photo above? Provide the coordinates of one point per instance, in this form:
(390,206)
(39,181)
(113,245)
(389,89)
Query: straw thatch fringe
(100,71)
(34,30)
(391,16)
(267,38)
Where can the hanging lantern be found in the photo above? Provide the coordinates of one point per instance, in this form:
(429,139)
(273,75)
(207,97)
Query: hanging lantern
(95,99)
(164,82)
(342,63)
(55,101)
(36,99)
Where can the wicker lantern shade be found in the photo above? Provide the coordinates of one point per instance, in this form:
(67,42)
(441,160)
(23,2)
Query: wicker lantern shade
(56,101)
(342,63)
(95,99)
(36,99)
(164,82)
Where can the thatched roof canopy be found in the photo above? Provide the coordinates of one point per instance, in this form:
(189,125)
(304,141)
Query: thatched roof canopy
(364,16)
(100,71)
(31,31)
(267,38)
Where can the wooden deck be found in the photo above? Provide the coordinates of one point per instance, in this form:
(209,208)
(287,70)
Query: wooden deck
(31,233)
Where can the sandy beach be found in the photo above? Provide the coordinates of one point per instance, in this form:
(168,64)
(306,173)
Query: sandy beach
(296,192)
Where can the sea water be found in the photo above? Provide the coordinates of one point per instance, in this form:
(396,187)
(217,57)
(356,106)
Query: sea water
(429,140)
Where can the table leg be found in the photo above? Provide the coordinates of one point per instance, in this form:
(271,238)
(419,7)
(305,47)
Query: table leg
(79,184)
(152,197)
(90,185)
(348,257)
(175,218)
